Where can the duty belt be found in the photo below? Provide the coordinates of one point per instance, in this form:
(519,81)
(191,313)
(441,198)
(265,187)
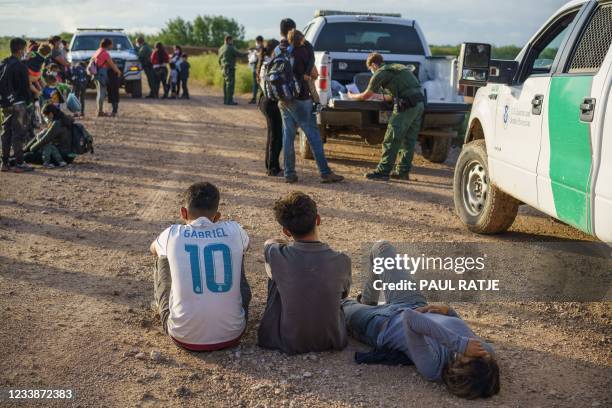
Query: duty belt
(407,102)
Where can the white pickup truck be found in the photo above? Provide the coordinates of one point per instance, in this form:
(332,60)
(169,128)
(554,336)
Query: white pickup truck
(342,42)
(540,131)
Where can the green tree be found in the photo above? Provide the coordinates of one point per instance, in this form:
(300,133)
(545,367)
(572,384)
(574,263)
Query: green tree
(177,31)
(210,31)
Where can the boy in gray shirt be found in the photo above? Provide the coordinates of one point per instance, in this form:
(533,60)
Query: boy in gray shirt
(307,281)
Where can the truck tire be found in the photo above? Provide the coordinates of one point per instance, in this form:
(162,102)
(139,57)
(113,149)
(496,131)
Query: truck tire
(134,88)
(435,148)
(303,146)
(480,204)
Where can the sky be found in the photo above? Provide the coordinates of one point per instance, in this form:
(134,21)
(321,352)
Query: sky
(499,22)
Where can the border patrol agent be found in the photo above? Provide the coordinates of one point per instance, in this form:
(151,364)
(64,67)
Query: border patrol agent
(227,62)
(404,123)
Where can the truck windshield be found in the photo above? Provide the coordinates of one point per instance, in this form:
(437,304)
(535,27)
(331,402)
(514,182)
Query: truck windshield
(92,42)
(369,37)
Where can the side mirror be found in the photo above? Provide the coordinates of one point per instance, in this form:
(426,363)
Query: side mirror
(474,62)
(503,71)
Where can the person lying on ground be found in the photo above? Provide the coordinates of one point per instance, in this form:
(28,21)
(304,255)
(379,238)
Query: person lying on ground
(53,146)
(307,280)
(407,330)
(200,288)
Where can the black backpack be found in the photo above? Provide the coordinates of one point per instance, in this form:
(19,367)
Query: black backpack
(7,93)
(280,83)
(82,140)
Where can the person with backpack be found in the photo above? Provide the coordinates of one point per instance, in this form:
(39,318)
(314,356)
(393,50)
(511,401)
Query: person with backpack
(285,78)
(269,108)
(15,96)
(80,79)
(227,61)
(53,146)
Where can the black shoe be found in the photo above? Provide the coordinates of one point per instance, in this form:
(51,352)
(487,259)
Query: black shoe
(252,101)
(377,176)
(233,103)
(275,172)
(291,179)
(400,176)
(150,97)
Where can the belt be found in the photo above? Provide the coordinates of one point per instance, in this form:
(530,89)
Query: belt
(159,65)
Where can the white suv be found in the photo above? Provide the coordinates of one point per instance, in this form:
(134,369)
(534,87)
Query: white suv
(87,40)
(540,131)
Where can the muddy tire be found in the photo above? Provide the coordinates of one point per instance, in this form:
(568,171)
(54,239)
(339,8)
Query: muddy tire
(303,146)
(134,88)
(435,148)
(482,207)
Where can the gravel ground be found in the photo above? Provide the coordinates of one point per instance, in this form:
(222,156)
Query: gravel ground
(76,283)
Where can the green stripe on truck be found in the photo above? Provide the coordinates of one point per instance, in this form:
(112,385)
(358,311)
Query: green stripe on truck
(570,150)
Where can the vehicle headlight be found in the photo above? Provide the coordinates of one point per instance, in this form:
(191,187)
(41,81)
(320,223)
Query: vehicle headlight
(132,67)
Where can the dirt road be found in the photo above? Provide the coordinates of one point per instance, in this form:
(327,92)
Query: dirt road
(76,284)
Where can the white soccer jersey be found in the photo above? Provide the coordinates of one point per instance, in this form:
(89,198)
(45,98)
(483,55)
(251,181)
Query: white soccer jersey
(205,264)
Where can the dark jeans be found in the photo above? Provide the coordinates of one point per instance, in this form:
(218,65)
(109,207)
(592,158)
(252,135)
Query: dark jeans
(161,79)
(274,141)
(113,86)
(183,85)
(365,321)
(162,284)
(14,132)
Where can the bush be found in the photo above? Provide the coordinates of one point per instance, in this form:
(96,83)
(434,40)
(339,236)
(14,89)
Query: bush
(205,70)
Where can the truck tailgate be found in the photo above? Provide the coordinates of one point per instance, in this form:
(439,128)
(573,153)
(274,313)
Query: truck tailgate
(432,107)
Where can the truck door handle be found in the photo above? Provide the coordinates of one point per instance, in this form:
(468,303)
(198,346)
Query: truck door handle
(587,109)
(536,104)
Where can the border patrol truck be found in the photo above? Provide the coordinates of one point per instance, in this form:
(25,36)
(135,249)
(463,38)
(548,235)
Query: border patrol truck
(540,130)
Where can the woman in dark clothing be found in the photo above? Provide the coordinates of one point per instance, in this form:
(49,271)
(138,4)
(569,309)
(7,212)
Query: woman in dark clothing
(53,146)
(269,108)
(160,60)
(113,85)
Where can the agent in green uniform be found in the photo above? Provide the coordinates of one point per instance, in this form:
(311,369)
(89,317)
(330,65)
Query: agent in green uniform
(144,56)
(227,62)
(405,122)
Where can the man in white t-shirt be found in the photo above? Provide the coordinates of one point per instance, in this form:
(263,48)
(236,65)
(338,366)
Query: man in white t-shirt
(200,287)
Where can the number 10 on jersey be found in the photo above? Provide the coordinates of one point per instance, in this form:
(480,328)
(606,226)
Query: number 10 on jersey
(210,267)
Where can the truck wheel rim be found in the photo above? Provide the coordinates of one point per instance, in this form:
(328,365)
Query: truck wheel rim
(475,187)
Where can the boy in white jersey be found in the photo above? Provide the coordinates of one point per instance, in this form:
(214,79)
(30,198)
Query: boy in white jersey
(201,291)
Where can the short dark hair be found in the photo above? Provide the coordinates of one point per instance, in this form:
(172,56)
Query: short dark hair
(106,42)
(54,39)
(50,78)
(286,25)
(477,378)
(201,199)
(259,38)
(17,44)
(374,58)
(140,39)
(270,47)
(296,212)
(228,38)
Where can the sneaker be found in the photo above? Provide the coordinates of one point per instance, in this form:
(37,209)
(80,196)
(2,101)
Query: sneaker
(22,168)
(377,176)
(291,179)
(252,101)
(62,164)
(4,167)
(400,176)
(331,178)
(49,165)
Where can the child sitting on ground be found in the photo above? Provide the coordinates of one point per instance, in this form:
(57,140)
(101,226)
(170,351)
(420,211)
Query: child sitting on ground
(201,291)
(50,93)
(54,142)
(297,40)
(307,281)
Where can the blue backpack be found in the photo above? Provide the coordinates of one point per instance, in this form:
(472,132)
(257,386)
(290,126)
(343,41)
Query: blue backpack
(279,82)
